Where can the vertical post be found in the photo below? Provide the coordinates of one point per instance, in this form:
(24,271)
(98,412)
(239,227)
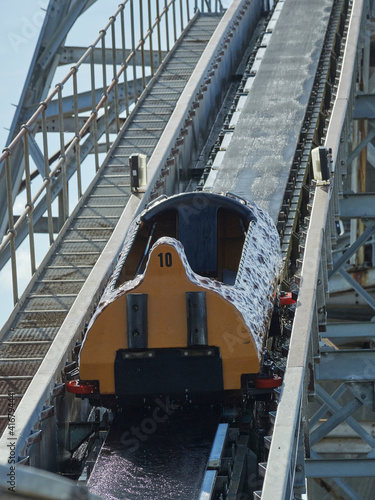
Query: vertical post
(123,48)
(76,130)
(181,16)
(29,204)
(159,38)
(187,10)
(114,63)
(11,230)
(354,186)
(363,125)
(104,76)
(93,108)
(46,176)
(362,185)
(166,23)
(143,43)
(174,20)
(65,195)
(150,30)
(133,50)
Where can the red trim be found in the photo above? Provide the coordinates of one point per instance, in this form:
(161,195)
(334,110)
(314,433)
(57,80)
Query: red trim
(286,299)
(268,382)
(79,387)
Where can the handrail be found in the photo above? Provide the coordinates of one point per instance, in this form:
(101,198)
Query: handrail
(72,147)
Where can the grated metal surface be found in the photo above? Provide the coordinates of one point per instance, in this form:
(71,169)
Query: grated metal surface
(31,335)
(52,296)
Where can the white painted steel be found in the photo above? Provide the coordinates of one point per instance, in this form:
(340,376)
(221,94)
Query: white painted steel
(279,478)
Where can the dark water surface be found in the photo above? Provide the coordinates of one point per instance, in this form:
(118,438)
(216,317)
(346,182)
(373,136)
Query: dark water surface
(159,455)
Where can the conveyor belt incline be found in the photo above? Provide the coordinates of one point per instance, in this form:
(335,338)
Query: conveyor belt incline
(259,157)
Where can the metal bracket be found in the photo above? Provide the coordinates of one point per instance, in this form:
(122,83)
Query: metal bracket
(136,320)
(364,391)
(196,318)
(78,432)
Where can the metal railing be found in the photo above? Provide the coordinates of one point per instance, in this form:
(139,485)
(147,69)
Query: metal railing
(160,23)
(285,465)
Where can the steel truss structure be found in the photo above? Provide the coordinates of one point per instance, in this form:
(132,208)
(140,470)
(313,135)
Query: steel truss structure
(326,409)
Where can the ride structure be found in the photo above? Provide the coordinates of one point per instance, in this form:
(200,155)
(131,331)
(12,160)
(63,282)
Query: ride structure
(271,107)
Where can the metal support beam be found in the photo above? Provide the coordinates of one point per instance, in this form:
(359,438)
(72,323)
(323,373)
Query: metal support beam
(357,206)
(371,154)
(358,288)
(337,485)
(60,34)
(342,414)
(361,146)
(36,155)
(340,468)
(84,99)
(364,107)
(53,126)
(325,408)
(37,84)
(350,332)
(348,365)
(352,249)
(333,406)
(371,83)
(56,187)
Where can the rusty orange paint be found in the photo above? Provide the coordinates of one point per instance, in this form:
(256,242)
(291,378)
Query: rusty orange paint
(166,286)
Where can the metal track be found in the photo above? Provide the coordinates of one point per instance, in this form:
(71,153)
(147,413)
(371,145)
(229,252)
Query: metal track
(59,282)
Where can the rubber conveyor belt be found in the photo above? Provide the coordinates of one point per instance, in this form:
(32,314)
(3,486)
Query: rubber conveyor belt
(259,157)
(161,455)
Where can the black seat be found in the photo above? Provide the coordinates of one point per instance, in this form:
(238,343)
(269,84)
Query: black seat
(197,231)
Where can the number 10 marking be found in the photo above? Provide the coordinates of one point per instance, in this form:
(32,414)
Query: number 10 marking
(165,259)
